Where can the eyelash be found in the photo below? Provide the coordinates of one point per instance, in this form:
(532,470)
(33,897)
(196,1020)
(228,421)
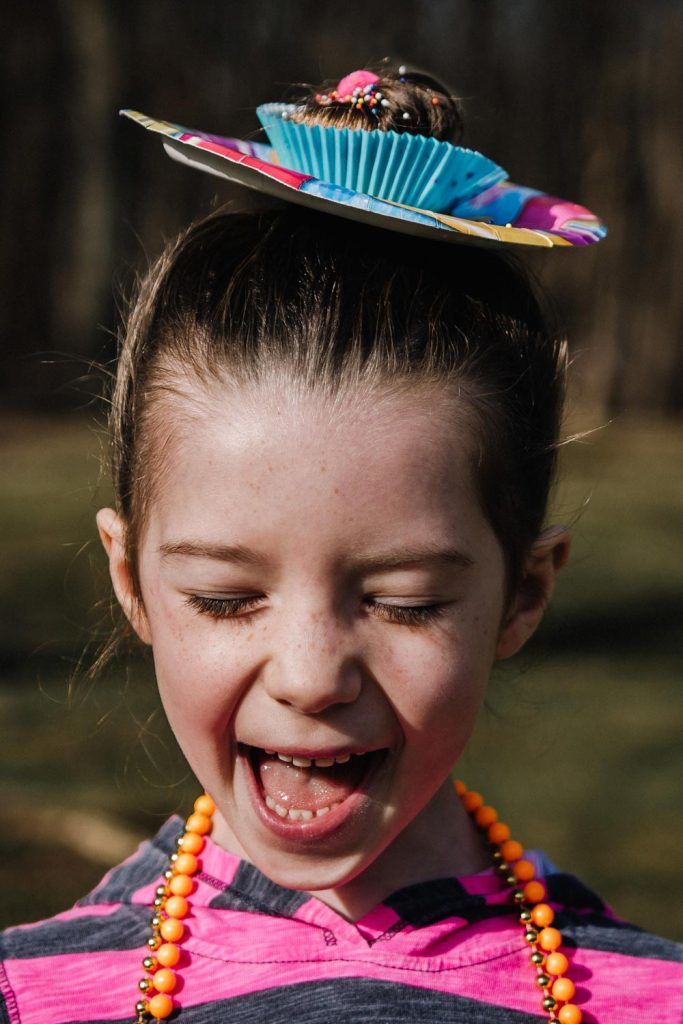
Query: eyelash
(230,607)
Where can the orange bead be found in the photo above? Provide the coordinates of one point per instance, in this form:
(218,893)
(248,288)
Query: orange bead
(168,955)
(160,1006)
(472,801)
(534,892)
(523,870)
(182,885)
(192,843)
(172,930)
(511,850)
(198,823)
(498,832)
(164,980)
(177,906)
(570,1014)
(460,787)
(542,915)
(186,864)
(564,990)
(204,805)
(485,816)
(556,963)
(549,939)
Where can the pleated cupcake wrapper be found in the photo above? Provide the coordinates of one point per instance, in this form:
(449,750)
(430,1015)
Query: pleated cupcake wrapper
(411,169)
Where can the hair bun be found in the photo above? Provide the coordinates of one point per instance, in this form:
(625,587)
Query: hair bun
(395,100)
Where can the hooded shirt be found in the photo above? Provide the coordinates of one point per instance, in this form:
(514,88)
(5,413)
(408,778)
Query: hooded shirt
(448,950)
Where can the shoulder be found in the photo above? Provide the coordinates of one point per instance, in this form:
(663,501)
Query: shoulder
(588,922)
(615,965)
(112,919)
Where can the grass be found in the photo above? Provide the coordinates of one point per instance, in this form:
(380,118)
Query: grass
(578,745)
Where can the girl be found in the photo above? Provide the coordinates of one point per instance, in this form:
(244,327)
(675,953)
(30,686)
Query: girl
(332,450)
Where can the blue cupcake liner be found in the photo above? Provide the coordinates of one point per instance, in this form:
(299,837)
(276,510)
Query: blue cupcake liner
(412,169)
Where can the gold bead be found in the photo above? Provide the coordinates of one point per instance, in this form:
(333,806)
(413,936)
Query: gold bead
(155,921)
(543,980)
(503,868)
(549,1003)
(173,858)
(180,840)
(154,942)
(141,1006)
(497,855)
(144,984)
(168,874)
(525,916)
(159,901)
(511,880)
(537,958)
(531,935)
(150,963)
(161,890)
(518,896)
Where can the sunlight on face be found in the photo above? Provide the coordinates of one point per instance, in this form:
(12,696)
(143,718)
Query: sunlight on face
(321,581)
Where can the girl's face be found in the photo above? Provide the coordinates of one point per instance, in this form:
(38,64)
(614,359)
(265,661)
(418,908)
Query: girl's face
(319,582)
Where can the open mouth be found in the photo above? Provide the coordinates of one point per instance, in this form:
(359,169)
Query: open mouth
(296,788)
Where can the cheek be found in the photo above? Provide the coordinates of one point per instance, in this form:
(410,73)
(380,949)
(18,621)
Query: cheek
(198,671)
(438,681)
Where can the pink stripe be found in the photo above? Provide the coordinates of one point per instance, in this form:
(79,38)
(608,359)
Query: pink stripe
(81,987)
(292,178)
(611,987)
(8,995)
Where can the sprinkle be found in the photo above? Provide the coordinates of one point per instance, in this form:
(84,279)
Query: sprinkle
(402,70)
(406,115)
(435,100)
(385,103)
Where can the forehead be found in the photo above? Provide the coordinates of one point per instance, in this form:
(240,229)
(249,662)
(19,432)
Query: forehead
(272,455)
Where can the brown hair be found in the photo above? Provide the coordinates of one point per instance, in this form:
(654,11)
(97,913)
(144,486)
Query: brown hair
(331,303)
(417,104)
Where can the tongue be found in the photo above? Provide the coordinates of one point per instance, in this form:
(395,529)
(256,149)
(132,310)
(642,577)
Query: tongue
(308,788)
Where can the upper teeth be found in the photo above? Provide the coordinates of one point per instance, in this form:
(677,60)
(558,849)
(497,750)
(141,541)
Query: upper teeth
(306,762)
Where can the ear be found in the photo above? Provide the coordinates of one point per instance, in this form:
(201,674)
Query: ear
(112,531)
(548,555)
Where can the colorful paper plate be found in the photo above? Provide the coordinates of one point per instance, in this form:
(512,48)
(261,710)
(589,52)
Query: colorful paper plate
(504,214)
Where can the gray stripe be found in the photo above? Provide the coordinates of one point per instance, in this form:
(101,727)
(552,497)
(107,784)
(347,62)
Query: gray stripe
(604,935)
(127,928)
(251,890)
(427,902)
(349,1001)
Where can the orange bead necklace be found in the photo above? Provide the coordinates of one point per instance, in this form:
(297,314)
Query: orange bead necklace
(171,906)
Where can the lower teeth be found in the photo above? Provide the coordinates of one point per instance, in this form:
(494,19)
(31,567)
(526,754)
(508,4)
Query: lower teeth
(295,813)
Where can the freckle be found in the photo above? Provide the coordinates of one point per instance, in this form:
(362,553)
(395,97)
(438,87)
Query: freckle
(323,467)
(336,490)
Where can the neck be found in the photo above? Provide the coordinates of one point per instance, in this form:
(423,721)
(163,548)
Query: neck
(440,842)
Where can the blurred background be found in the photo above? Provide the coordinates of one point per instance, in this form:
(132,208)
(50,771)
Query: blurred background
(580,744)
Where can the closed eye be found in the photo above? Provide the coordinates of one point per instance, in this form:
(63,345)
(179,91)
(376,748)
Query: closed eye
(235,607)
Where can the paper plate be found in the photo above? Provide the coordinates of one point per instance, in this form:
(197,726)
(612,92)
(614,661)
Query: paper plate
(503,215)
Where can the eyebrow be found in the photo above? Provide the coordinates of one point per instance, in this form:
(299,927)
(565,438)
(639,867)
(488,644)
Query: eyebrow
(375,562)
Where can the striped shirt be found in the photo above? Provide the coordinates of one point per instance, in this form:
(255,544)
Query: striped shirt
(450,950)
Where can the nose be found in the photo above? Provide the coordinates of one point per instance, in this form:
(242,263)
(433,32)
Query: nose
(316,665)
